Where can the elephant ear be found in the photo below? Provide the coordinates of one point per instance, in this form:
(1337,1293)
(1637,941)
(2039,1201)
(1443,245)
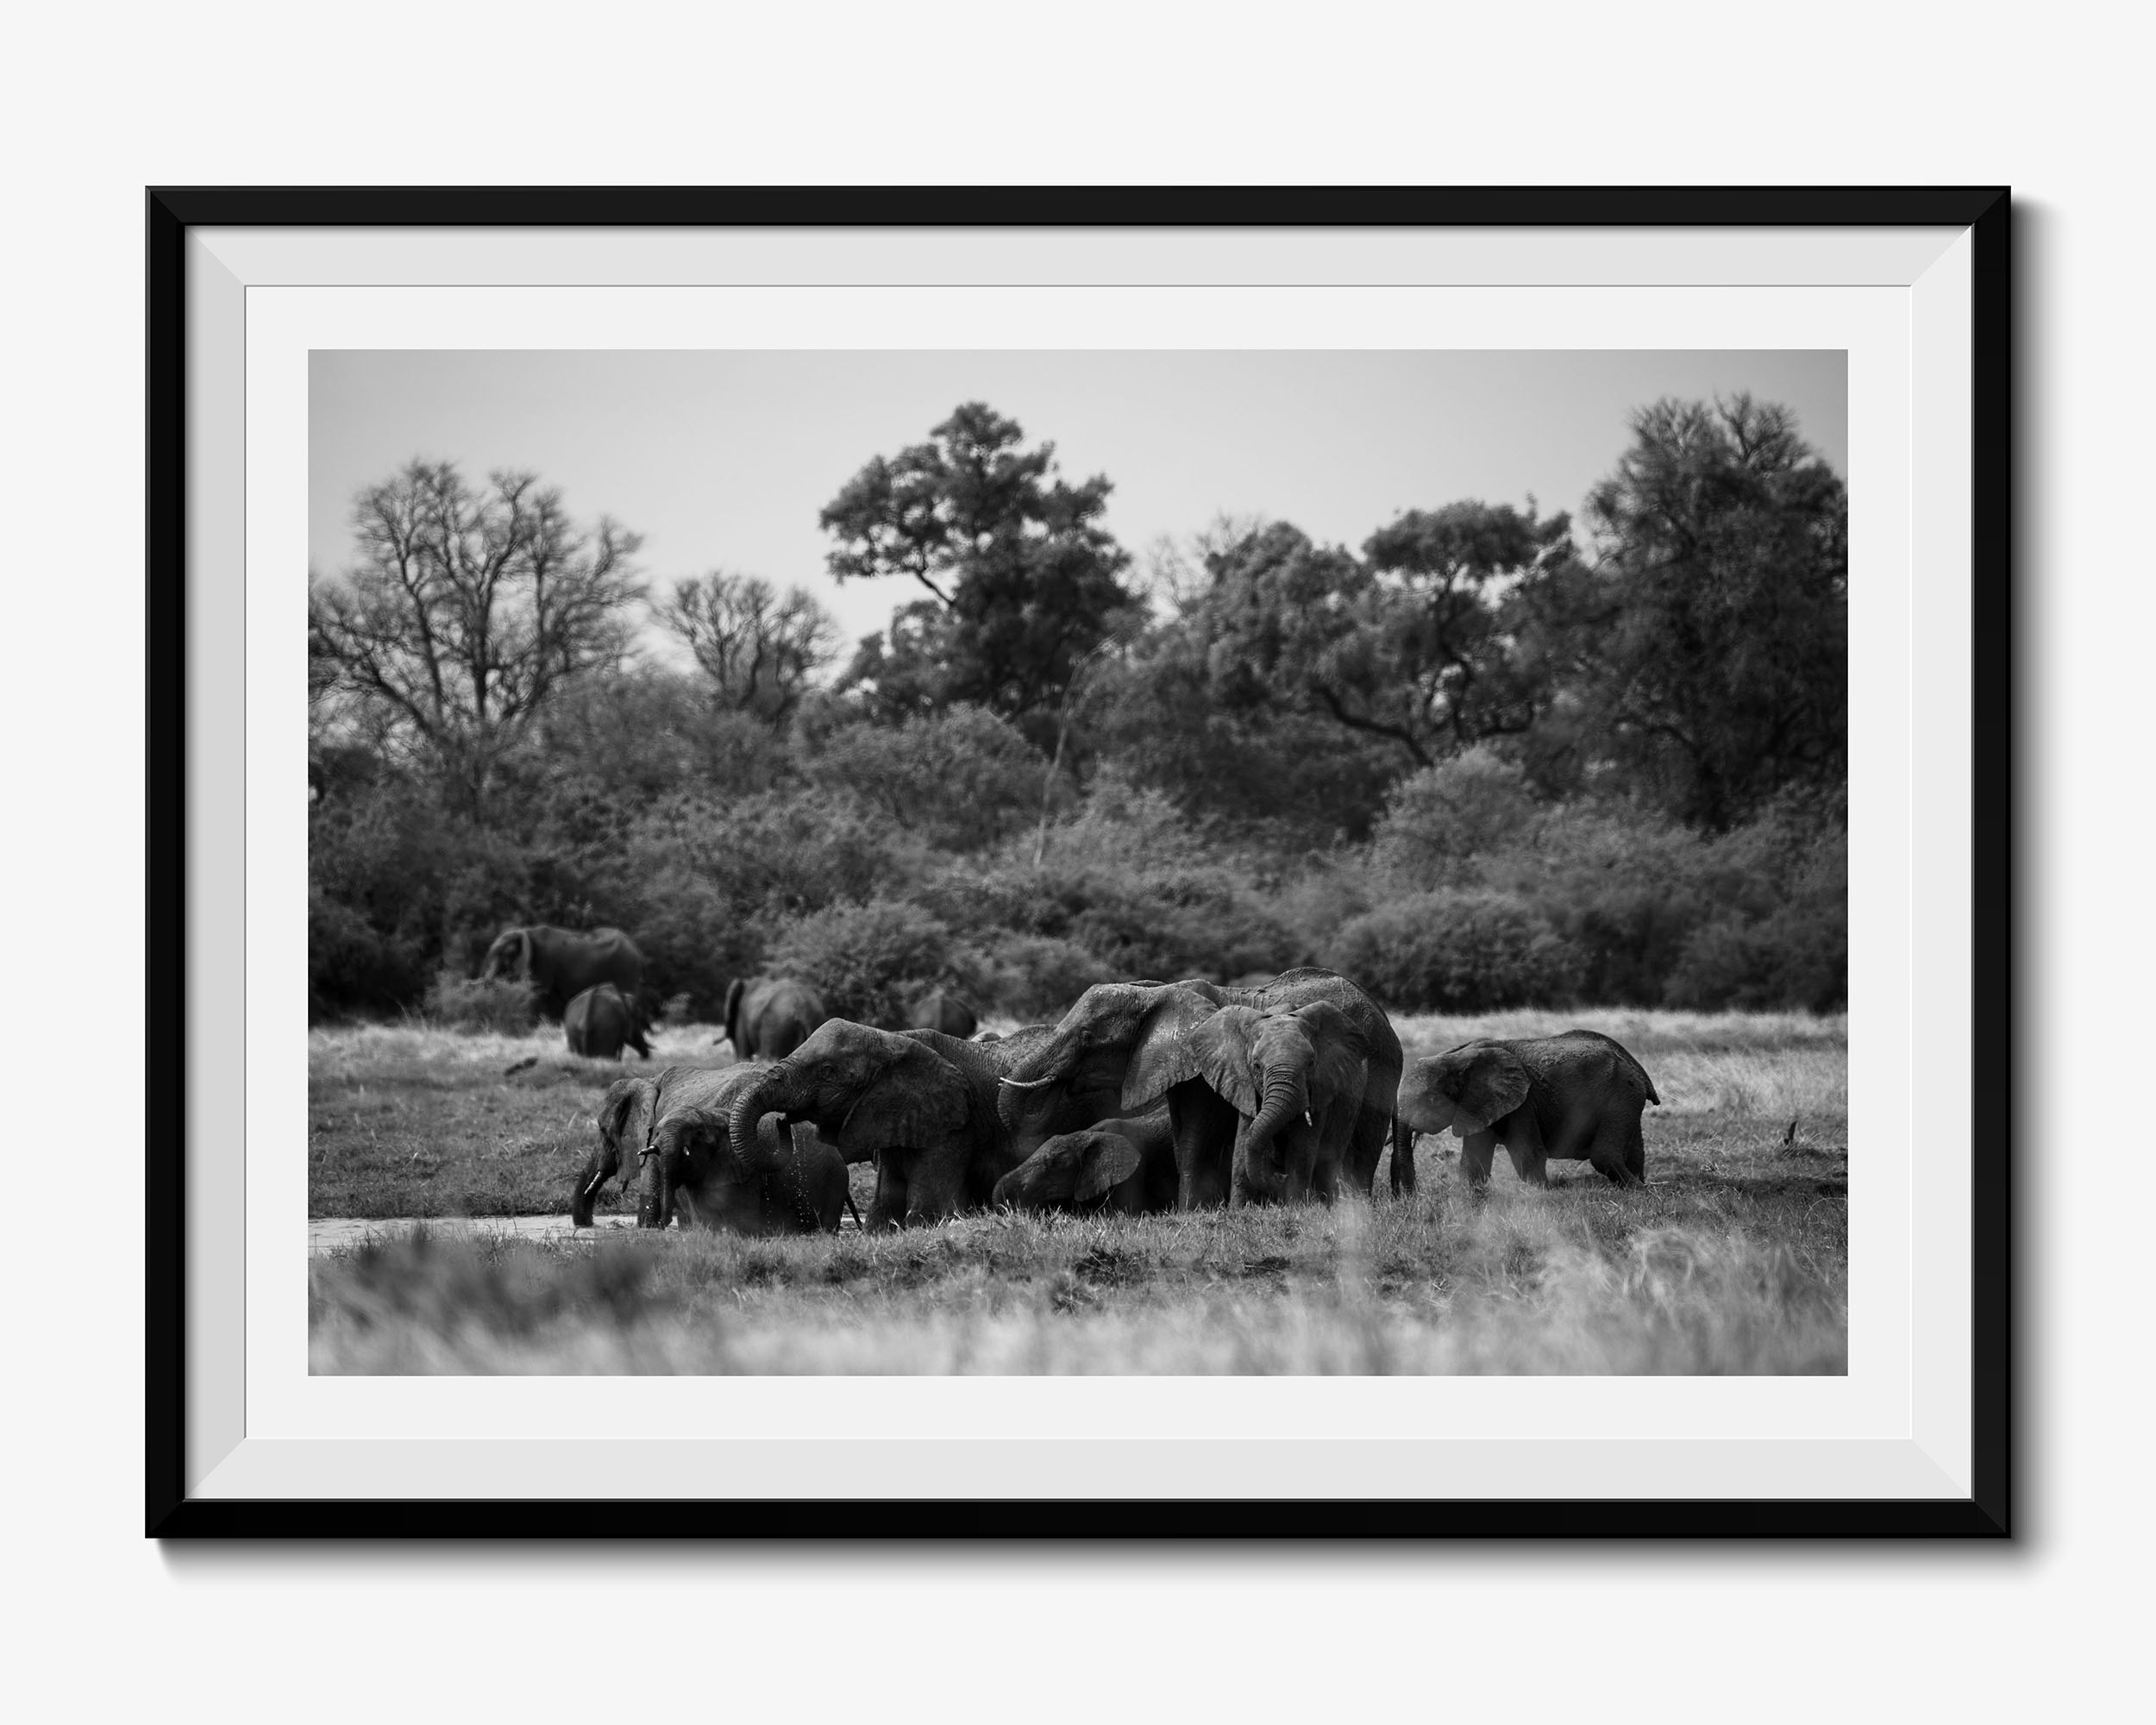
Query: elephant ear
(1341,1065)
(916,1100)
(625,1118)
(1164,1055)
(1493,1083)
(1108,1161)
(1222,1044)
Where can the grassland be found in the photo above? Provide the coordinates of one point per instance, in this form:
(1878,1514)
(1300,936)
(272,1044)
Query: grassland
(1735,1258)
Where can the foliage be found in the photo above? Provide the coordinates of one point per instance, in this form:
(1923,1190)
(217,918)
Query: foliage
(467,610)
(501,1003)
(867,960)
(757,651)
(1715,648)
(1024,579)
(1455,950)
(1438,821)
(959,780)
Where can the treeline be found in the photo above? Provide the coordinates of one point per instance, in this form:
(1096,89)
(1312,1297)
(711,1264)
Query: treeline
(1484,760)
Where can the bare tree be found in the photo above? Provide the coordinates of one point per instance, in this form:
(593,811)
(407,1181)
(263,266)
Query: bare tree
(467,608)
(758,650)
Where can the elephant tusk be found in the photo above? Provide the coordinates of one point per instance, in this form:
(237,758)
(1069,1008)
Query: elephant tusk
(1306,1120)
(1028,1083)
(597,1180)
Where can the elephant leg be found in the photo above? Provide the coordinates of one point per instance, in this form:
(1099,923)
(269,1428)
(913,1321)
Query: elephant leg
(1476,1150)
(1635,1151)
(1204,1129)
(1610,1153)
(1524,1144)
(887,1208)
(936,1188)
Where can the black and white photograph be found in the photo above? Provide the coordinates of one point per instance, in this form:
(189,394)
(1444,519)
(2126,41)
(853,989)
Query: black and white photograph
(1167,862)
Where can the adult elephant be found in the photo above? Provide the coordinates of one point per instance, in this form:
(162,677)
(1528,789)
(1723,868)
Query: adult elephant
(1573,1097)
(1295,1080)
(600,1022)
(921,1104)
(1120,1167)
(1120,1037)
(562,963)
(668,1134)
(770,1017)
(939,1009)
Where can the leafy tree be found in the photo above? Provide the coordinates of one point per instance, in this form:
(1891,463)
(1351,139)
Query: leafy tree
(758,650)
(1711,651)
(1022,580)
(467,610)
(960,781)
(1427,641)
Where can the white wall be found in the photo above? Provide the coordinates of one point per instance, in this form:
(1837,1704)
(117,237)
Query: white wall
(100,1623)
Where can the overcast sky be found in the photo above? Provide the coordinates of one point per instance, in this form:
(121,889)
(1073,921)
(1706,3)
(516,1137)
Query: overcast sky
(724,458)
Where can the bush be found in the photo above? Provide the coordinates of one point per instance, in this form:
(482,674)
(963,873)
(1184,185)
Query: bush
(867,961)
(1456,952)
(1037,977)
(959,780)
(1438,821)
(500,1003)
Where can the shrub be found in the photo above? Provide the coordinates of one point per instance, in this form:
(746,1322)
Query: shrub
(1455,951)
(501,1003)
(866,961)
(959,780)
(1439,821)
(1037,977)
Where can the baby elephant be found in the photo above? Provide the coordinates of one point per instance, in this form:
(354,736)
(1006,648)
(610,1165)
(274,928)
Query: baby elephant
(1573,1097)
(1118,1167)
(602,1021)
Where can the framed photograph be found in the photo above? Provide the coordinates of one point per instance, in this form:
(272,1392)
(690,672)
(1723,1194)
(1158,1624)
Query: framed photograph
(934,857)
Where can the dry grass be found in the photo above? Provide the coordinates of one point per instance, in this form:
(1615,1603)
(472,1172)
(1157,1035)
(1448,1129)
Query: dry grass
(1733,1259)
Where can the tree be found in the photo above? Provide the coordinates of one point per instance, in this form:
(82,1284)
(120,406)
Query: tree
(1022,580)
(467,610)
(758,651)
(1427,641)
(1712,660)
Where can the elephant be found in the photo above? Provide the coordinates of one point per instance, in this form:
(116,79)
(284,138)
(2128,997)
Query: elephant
(1118,1036)
(940,1010)
(669,1134)
(771,1017)
(922,1104)
(1123,1167)
(1295,1080)
(600,1022)
(1573,1097)
(561,963)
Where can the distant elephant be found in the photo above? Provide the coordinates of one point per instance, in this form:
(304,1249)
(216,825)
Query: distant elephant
(563,962)
(1122,1167)
(1296,1078)
(771,1017)
(1119,1036)
(600,1022)
(1573,1097)
(668,1134)
(921,1104)
(939,1010)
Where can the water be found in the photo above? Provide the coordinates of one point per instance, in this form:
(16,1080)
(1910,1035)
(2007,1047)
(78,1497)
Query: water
(325,1234)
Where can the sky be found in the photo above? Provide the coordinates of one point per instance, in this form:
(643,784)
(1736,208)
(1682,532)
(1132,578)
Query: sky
(723,459)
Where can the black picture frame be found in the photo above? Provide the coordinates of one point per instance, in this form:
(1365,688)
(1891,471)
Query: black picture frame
(1986,212)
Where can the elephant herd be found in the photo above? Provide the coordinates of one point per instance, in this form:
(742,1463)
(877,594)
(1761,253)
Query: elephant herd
(1144,1096)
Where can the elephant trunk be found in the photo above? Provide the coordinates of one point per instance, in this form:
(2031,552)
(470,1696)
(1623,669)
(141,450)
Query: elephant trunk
(1283,1099)
(655,1202)
(587,1188)
(777,1091)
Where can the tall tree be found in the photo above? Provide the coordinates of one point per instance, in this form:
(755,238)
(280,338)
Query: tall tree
(1022,580)
(1714,655)
(1427,641)
(467,610)
(758,651)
